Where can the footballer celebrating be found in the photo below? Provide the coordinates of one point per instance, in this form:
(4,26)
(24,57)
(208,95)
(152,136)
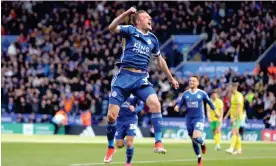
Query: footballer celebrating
(138,45)
(193,99)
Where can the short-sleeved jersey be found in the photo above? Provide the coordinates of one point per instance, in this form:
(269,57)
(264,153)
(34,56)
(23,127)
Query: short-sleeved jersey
(137,47)
(219,105)
(194,103)
(236,99)
(125,113)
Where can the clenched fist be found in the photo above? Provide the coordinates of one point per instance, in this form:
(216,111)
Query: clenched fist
(131,10)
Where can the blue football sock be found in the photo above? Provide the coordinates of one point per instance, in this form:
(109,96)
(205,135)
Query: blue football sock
(196,149)
(129,154)
(110,133)
(157,120)
(199,140)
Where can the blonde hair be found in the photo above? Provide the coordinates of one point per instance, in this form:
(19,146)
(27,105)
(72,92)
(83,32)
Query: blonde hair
(136,16)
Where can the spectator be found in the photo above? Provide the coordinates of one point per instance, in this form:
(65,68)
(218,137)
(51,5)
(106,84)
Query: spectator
(35,105)
(45,119)
(259,108)
(23,107)
(60,119)
(32,118)
(68,100)
(11,106)
(269,100)
(19,118)
(271,69)
(86,118)
(272,120)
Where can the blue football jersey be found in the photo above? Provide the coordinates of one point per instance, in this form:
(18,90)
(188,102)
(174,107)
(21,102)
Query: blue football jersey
(137,47)
(125,113)
(194,103)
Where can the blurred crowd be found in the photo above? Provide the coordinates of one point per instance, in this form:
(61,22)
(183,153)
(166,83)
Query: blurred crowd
(258,89)
(64,55)
(233,29)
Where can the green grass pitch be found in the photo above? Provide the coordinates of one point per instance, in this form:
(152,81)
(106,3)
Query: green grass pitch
(18,150)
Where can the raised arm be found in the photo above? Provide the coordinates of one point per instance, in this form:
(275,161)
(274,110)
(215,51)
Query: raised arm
(114,26)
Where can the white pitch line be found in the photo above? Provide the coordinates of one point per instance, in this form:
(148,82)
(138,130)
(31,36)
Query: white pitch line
(179,160)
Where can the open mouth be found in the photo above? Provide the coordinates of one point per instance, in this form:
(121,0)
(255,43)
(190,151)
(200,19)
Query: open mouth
(149,23)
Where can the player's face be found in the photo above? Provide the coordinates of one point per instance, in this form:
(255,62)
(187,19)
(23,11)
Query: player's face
(231,89)
(214,95)
(193,82)
(145,21)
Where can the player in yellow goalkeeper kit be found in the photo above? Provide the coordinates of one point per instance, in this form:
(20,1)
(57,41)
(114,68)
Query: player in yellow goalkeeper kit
(215,122)
(236,115)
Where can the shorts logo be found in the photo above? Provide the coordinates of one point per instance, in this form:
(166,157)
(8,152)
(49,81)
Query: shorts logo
(149,41)
(145,80)
(160,122)
(114,94)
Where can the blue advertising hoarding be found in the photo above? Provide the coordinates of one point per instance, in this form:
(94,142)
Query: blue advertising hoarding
(176,128)
(214,69)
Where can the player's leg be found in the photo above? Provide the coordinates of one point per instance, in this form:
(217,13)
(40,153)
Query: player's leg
(130,133)
(120,143)
(129,150)
(190,129)
(197,152)
(117,97)
(213,128)
(112,115)
(234,136)
(238,141)
(120,135)
(111,123)
(148,95)
(197,134)
(218,135)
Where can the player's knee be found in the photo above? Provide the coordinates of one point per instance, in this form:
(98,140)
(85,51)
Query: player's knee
(112,113)
(196,134)
(119,145)
(129,143)
(111,117)
(155,106)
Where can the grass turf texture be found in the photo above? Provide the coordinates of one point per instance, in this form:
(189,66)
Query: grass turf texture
(18,150)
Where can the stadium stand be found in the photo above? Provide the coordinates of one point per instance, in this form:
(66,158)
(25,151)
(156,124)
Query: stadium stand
(61,56)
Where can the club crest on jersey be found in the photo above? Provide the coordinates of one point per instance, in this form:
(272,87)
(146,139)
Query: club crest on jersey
(114,94)
(149,41)
(198,96)
(187,97)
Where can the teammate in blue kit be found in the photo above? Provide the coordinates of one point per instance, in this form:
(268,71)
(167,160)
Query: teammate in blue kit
(138,45)
(194,99)
(126,125)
